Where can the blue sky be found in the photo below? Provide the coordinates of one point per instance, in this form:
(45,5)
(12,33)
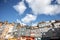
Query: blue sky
(29,11)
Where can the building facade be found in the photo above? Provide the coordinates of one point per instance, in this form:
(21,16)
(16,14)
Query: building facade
(17,30)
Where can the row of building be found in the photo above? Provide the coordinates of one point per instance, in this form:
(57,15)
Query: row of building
(17,30)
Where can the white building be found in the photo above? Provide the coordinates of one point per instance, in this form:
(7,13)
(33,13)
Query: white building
(44,24)
(36,33)
(57,24)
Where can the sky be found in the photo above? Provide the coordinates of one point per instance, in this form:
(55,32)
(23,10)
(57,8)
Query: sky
(29,12)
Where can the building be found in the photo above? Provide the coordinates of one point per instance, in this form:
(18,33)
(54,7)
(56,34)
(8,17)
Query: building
(35,33)
(37,38)
(8,30)
(1,23)
(57,24)
(26,38)
(44,24)
(24,32)
(28,32)
(52,34)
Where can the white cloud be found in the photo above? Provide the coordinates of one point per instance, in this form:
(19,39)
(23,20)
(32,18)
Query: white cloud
(58,1)
(38,7)
(42,7)
(20,7)
(34,24)
(57,10)
(28,18)
(18,21)
(50,10)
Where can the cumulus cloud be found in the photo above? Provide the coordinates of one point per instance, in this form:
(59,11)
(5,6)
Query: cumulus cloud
(42,7)
(28,18)
(20,7)
(38,7)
